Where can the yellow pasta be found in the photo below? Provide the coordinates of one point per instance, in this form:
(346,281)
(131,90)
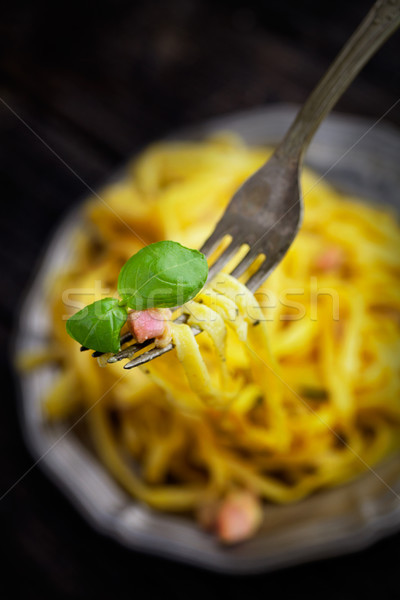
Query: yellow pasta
(283,393)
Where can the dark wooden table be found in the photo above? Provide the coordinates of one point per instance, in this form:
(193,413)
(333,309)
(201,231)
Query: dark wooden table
(83,86)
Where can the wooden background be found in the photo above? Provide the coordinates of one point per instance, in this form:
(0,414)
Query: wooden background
(83,86)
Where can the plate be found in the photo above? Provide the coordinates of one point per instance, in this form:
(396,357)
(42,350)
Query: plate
(358,157)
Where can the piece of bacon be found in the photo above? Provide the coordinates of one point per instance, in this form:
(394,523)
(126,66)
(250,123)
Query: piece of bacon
(239,517)
(234,518)
(151,323)
(332,258)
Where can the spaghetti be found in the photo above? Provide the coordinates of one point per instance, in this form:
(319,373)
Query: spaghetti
(285,392)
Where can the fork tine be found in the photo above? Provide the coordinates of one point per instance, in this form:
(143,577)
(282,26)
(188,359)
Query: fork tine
(212,242)
(265,269)
(155,352)
(225,257)
(246,262)
(129,351)
(147,356)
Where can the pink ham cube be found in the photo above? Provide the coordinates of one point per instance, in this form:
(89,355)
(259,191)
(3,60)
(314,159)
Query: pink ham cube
(148,324)
(239,517)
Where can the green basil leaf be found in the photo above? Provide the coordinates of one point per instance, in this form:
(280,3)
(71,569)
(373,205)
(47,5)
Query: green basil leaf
(162,275)
(98,325)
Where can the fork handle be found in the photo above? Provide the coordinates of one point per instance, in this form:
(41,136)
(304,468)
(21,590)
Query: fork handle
(379,24)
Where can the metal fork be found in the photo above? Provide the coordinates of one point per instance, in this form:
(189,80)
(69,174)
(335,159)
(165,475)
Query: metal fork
(266,212)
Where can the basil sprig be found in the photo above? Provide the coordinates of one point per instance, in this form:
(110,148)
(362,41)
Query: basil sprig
(98,325)
(161,275)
